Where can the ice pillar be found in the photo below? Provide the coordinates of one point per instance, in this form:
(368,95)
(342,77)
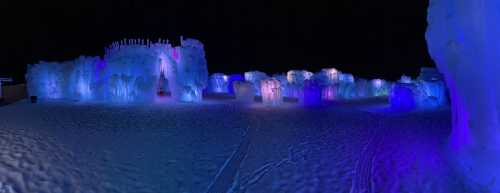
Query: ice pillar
(463,40)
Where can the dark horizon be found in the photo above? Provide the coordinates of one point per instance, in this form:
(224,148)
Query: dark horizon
(365,38)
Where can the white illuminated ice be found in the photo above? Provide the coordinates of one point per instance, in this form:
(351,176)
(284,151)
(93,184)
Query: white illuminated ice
(271,92)
(255,77)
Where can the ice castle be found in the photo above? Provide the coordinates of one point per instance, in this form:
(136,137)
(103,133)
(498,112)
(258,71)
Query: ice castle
(131,70)
(138,70)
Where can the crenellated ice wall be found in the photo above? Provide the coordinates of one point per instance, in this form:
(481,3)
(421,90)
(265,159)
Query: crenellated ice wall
(132,70)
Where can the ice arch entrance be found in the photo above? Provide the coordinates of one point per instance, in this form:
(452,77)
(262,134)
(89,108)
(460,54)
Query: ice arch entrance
(463,39)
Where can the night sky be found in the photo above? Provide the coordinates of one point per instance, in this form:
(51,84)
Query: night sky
(368,38)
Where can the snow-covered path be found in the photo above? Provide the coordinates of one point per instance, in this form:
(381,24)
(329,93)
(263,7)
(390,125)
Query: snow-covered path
(220,147)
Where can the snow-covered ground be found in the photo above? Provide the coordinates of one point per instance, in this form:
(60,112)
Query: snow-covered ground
(219,146)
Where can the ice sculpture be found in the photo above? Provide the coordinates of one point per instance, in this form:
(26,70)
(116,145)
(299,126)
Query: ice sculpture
(255,77)
(463,40)
(403,97)
(346,90)
(68,80)
(295,91)
(329,93)
(346,78)
(244,91)
(283,83)
(298,76)
(218,83)
(363,89)
(380,87)
(232,79)
(405,79)
(432,87)
(82,78)
(190,73)
(133,71)
(271,92)
(331,74)
(312,93)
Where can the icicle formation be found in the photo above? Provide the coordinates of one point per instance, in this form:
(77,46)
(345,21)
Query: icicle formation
(271,92)
(132,70)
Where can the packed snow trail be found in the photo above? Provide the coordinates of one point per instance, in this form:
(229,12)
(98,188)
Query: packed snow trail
(218,145)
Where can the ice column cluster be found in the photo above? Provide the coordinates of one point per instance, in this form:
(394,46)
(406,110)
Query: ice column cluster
(131,70)
(271,92)
(463,40)
(427,91)
(71,79)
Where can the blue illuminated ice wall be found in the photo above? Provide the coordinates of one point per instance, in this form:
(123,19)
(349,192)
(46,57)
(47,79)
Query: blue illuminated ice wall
(130,71)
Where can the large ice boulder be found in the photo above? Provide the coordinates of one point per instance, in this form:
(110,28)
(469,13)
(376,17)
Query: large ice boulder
(463,40)
(244,91)
(271,92)
(255,77)
(218,83)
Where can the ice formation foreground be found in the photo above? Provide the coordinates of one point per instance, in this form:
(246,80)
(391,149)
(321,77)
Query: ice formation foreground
(463,40)
(63,147)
